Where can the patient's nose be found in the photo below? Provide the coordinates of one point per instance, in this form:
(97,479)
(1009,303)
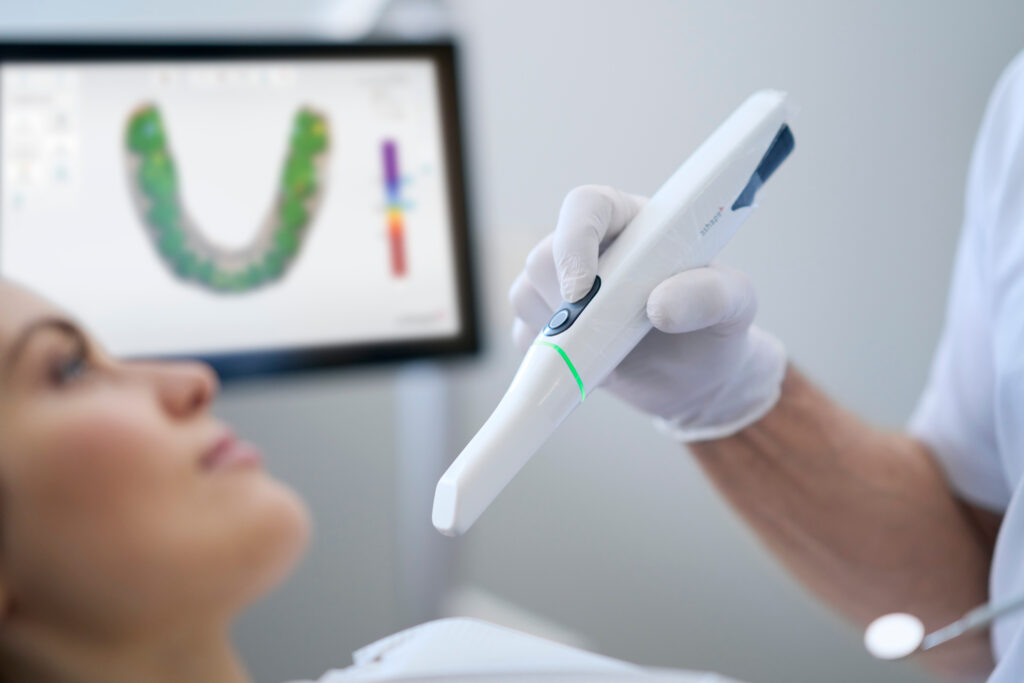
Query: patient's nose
(184,388)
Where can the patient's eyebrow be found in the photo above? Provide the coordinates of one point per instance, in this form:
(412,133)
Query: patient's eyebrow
(21,342)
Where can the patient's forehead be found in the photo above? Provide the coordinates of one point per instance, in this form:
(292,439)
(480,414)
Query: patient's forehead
(18,308)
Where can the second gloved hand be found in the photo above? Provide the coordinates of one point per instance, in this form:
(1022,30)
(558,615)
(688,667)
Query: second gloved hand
(705,371)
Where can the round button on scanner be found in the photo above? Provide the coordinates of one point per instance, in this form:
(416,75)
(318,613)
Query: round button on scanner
(558,319)
(569,312)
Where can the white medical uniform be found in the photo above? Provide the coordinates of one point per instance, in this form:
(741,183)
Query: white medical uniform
(972,410)
(471,651)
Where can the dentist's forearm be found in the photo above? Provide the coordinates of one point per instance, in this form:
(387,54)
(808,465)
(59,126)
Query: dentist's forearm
(863,518)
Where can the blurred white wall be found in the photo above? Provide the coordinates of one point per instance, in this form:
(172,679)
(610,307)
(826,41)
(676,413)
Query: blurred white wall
(611,531)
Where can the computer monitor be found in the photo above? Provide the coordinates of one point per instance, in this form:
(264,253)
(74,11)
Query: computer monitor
(265,208)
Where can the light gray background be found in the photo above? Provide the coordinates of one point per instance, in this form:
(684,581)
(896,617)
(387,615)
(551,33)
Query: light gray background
(611,531)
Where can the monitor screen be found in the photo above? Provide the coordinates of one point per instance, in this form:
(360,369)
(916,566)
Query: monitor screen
(262,207)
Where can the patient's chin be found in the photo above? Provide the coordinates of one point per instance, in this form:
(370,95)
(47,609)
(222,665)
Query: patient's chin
(276,542)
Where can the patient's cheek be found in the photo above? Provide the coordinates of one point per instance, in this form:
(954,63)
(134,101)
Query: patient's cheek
(103,454)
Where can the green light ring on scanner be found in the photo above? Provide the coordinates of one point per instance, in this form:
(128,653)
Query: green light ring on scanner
(572,368)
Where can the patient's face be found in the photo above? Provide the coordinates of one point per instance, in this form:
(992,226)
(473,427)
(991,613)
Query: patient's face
(113,515)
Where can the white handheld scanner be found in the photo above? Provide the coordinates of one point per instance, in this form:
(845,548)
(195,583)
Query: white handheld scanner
(684,225)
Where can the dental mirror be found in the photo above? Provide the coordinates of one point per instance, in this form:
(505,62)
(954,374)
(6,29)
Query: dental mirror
(899,635)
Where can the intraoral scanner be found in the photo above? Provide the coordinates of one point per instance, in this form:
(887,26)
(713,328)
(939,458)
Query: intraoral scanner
(684,225)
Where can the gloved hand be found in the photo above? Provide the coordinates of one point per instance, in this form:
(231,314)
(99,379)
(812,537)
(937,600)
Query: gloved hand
(705,371)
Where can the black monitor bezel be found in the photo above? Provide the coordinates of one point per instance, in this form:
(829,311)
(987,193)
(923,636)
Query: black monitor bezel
(257,363)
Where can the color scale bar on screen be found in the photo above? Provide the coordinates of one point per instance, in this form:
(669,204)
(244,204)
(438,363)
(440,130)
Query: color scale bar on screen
(395,212)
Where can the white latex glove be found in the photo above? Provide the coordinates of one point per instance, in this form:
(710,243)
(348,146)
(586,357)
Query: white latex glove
(705,371)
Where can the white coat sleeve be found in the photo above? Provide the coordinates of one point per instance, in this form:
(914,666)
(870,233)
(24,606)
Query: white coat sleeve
(956,415)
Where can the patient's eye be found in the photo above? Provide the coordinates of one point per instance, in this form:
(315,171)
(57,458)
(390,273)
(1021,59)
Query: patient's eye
(68,357)
(70,367)
(52,352)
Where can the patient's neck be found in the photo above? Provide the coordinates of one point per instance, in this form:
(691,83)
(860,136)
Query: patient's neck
(197,655)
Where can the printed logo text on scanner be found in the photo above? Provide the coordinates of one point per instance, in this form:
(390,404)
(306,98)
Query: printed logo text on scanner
(711,223)
(180,241)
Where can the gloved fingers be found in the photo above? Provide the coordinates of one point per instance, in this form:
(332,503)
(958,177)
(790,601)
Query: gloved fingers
(527,303)
(540,272)
(523,334)
(590,214)
(716,297)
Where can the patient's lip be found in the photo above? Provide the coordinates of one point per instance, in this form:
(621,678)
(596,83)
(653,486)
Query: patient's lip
(230,451)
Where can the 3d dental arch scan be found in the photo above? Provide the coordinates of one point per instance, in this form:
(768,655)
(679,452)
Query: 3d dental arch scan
(181,242)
